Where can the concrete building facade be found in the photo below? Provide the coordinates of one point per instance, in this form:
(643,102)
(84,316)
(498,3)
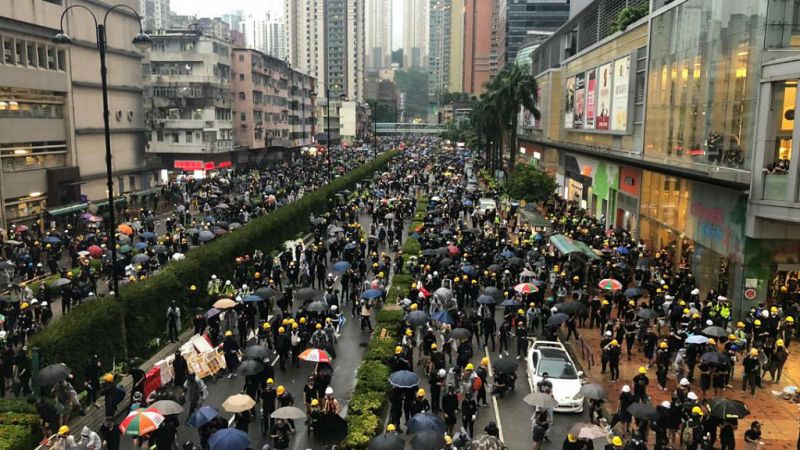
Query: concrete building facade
(155,15)
(416,33)
(439,48)
(378,34)
(478,57)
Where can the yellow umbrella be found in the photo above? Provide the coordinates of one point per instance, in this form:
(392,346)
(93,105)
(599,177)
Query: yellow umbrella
(224,303)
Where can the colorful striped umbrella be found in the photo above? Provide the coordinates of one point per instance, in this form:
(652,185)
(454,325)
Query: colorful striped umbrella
(315,355)
(609,284)
(526,288)
(141,422)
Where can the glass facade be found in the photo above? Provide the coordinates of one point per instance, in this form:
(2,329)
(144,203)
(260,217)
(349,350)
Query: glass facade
(703,80)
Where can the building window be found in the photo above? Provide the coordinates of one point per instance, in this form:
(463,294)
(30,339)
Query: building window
(160,136)
(241,77)
(18,157)
(174,137)
(189,135)
(62,60)
(241,58)
(241,96)
(8,52)
(243,117)
(132,182)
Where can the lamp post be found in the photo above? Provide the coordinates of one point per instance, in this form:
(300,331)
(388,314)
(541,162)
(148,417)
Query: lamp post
(375,130)
(142,42)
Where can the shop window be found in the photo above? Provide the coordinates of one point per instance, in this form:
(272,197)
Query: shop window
(779,142)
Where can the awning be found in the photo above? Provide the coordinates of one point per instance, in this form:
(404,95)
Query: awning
(533,217)
(585,249)
(146,191)
(75,207)
(563,244)
(120,199)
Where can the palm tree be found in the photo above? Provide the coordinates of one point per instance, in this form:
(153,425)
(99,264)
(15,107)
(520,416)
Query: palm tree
(485,119)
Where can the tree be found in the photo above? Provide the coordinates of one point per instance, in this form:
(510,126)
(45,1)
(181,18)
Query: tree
(530,184)
(413,83)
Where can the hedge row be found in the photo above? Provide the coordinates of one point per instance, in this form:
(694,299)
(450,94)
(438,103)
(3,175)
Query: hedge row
(369,401)
(19,425)
(134,327)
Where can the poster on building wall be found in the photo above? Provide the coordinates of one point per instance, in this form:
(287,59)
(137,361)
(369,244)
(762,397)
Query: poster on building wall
(619,112)
(603,96)
(569,103)
(591,88)
(580,103)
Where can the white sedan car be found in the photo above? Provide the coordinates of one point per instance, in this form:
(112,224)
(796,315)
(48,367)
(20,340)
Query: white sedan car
(552,358)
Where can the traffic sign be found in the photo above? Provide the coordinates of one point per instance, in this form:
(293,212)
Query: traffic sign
(750,294)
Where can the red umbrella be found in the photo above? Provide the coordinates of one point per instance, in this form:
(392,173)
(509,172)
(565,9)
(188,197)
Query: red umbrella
(424,292)
(95,251)
(526,288)
(315,355)
(21,228)
(609,284)
(454,251)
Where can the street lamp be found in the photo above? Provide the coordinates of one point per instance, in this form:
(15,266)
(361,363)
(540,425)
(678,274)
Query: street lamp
(142,41)
(375,130)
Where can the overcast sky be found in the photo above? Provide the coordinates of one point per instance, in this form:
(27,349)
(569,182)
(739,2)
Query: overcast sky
(212,8)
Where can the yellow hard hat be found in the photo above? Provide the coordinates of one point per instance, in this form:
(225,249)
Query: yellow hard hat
(485,361)
(409,332)
(448,440)
(696,316)
(779,342)
(741,324)
(434,346)
(731,337)
(789,319)
(108,378)
(285,322)
(318,326)
(63,430)
(314,402)
(295,325)
(662,345)
(474,281)
(270,381)
(571,437)
(398,350)
(604,302)
(24,305)
(754,351)
(257,275)
(391,427)
(469,367)
(616,441)
(281,330)
(520,312)
(266,326)
(281,390)
(421,393)
(228,333)
(757,323)
(302,320)
(711,341)
(686,310)
(642,369)
(697,410)
(773,309)
(413,307)
(631,302)
(614,342)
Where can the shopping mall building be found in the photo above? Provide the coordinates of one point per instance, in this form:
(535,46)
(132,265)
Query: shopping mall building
(681,128)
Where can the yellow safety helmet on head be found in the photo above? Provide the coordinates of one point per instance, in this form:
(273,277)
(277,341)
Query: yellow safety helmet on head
(409,332)
(302,320)
(314,402)
(616,441)
(421,392)
(571,437)
(281,390)
(779,342)
(614,342)
(789,319)
(697,410)
(434,346)
(266,326)
(757,323)
(228,333)
(662,345)
(270,381)
(642,369)
(711,341)
(448,440)
(63,430)
(754,352)
(398,350)
(108,378)
(741,325)
(390,427)
(485,361)
(281,330)
(469,367)
(295,325)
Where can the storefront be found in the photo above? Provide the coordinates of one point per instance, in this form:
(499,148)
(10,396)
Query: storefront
(627,212)
(593,184)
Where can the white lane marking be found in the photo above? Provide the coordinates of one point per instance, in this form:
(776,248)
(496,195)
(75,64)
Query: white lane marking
(275,360)
(494,399)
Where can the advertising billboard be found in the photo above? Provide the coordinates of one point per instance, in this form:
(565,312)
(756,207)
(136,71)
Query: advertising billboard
(569,103)
(580,101)
(591,92)
(619,111)
(603,96)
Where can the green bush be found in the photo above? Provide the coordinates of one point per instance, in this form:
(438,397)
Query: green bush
(367,402)
(21,419)
(373,376)
(380,349)
(17,437)
(389,318)
(10,404)
(360,429)
(131,328)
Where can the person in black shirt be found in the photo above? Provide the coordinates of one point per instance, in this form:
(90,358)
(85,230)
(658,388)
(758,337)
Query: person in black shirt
(450,408)
(752,437)
(469,412)
(181,371)
(110,434)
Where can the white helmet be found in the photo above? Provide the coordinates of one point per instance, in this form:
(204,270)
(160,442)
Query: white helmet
(244,286)
(328,390)
(441,373)
(213,277)
(334,307)
(684,382)
(691,396)
(227,282)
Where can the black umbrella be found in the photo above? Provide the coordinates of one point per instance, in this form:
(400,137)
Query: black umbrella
(506,365)
(386,442)
(716,358)
(634,292)
(307,294)
(728,409)
(460,333)
(53,374)
(418,318)
(494,292)
(486,300)
(642,411)
(404,379)
(557,319)
(428,440)
(496,268)
(330,429)
(317,306)
(571,307)
(249,367)
(646,313)
(430,252)
(714,331)
(257,352)
(445,263)
(268,293)
(593,391)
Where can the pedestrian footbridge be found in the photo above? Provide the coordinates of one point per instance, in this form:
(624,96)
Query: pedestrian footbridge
(384,128)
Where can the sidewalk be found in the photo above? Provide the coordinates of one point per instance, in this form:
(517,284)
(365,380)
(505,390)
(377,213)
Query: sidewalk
(779,418)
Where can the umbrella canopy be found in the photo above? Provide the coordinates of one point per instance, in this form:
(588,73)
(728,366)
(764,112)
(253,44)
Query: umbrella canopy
(444,293)
(404,379)
(141,422)
(317,306)
(306,294)
(205,236)
(212,312)
(225,303)
(140,258)
(386,442)
(634,292)
(593,391)
(642,411)
(125,229)
(178,256)
(495,268)
(715,358)
(723,408)
(486,300)
(288,413)
(249,367)
(540,400)
(341,266)
(330,429)
(486,442)
(494,292)
(510,302)
(315,355)
(557,319)
(506,365)
(583,430)
(443,317)
(268,293)
(95,251)
(257,352)
(716,332)
(202,416)
(238,403)
(428,440)
(646,313)
(60,282)
(526,288)
(417,318)
(167,407)
(425,422)
(229,439)
(53,374)
(609,284)
(460,333)
(696,339)
(253,298)
(371,293)
(570,308)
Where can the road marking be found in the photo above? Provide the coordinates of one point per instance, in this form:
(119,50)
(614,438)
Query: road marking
(494,399)
(275,360)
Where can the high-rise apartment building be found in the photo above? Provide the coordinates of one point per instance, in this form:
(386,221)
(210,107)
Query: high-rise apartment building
(275,43)
(456,69)
(439,48)
(264,32)
(415,33)
(378,34)
(234,19)
(515,19)
(477,44)
(155,14)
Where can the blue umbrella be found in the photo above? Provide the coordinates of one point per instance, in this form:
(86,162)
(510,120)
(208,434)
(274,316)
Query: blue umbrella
(425,422)
(486,300)
(443,317)
(140,245)
(404,379)
(149,235)
(372,293)
(229,439)
(468,203)
(212,312)
(468,270)
(509,302)
(507,254)
(202,416)
(51,240)
(210,219)
(341,266)
(537,282)
(623,250)
(696,339)
(253,298)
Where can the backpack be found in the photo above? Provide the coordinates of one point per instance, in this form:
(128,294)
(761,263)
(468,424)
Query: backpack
(687,435)
(477,383)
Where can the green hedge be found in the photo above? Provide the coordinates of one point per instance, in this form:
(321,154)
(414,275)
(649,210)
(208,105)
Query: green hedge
(17,437)
(133,327)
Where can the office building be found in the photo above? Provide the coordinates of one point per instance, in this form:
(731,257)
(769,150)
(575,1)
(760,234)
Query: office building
(378,34)
(477,45)
(188,98)
(517,18)
(456,69)
(415,33)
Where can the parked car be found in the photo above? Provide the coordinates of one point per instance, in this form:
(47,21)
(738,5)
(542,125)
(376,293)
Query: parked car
(551,357)
(486,204)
